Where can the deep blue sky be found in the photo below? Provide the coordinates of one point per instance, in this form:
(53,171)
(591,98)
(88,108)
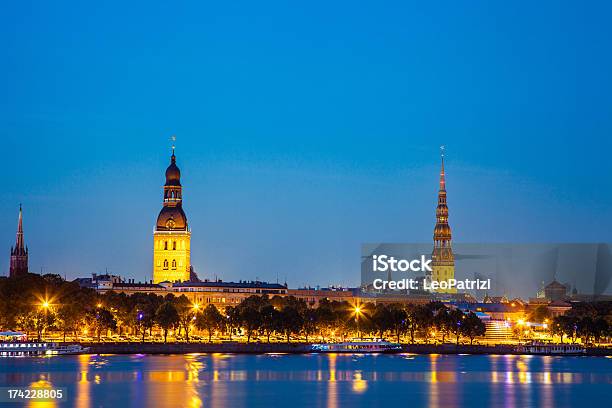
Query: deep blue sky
(303,129)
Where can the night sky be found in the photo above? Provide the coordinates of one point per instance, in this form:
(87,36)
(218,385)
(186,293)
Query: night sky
(303,130)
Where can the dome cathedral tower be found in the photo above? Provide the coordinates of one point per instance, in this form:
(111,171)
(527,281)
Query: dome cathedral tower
(172,237)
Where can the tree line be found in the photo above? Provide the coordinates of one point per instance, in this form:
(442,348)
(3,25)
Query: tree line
(590,322)
(72,310)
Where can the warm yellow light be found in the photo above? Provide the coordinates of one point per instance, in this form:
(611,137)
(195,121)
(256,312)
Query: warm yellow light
(545,320)
(85,331)
(196,306)
(545,326)
(520,322)
(99,305)
(45,304)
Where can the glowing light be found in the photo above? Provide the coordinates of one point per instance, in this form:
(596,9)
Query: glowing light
(99,305)
(196,306)
(45,304)
(520,322)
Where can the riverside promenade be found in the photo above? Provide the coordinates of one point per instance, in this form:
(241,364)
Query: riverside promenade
(294,348)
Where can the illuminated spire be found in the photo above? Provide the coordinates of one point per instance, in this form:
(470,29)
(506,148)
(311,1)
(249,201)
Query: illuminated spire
(442,231)
(19,254)
(19,245)
(442,179)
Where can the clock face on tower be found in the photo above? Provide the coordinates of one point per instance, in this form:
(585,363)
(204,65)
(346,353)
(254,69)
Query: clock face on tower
(170,223)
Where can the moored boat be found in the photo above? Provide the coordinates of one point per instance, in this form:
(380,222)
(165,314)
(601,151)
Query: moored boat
(551,349)
(357,347)
(38,349)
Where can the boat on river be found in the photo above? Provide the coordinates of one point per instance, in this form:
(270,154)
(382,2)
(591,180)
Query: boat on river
(551,349)
(39,349)
(357,347)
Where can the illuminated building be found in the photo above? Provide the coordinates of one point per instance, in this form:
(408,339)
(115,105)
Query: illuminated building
(172,237)
(443,261)
(19,254)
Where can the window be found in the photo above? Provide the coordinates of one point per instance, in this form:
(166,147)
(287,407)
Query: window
(174,245)
(174,264)
(165,264)
(166,245)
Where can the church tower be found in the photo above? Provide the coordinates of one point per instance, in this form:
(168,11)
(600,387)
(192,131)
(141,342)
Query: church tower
(19,254)
(443,261)
(172,237)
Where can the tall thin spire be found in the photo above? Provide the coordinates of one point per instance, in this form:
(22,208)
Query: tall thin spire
(443,260)
(19,245)
(442,231)
(19,254)
(442,178)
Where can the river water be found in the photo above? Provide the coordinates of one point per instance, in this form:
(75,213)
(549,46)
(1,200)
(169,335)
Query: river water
(316,380)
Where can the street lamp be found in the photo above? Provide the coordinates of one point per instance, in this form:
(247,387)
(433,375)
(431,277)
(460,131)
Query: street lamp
(357,310)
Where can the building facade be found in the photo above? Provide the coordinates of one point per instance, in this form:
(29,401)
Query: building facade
(19,253)
(443,260)
(172,237)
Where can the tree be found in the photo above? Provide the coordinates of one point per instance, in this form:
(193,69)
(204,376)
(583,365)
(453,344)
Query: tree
(539,314)
(382,319)
(443,322)
(69,316)
(419,318)
(565,326)
(456,319)
(398,321)
(232,319)
(325,318)
(101,320)
(309,317)
(473,327)
(250,319)
(167,317)
(210,319)
(186,313)
(269,320)
(290,321)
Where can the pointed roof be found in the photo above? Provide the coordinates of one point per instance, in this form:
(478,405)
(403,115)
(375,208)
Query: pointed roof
(19,244)
(442,176)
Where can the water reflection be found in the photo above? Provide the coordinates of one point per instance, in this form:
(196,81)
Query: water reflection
(41,384)
(83,392)
(331,380)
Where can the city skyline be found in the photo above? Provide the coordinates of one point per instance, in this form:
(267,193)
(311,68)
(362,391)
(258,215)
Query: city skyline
(298,142)
(172,192)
